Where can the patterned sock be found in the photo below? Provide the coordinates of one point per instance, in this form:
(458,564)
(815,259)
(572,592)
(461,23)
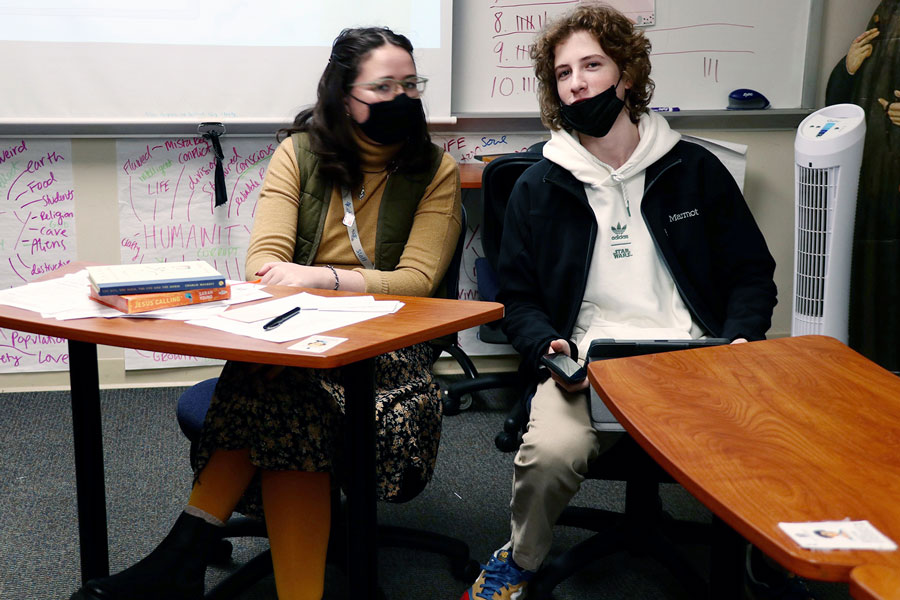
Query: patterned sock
(297,505)
(222,483)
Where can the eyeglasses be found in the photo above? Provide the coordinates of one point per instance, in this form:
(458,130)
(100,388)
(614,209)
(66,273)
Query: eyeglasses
(386,87)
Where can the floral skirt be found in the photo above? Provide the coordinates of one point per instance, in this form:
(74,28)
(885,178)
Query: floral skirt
(293,419)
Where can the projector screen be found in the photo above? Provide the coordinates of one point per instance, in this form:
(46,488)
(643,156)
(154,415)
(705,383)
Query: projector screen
(170,61)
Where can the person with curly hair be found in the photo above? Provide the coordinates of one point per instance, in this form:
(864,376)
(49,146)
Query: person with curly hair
(622,230)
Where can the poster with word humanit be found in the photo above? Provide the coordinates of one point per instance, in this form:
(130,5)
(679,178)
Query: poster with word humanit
(167,210)
(37,221)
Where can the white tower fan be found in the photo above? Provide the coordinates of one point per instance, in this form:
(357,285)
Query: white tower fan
(828,152)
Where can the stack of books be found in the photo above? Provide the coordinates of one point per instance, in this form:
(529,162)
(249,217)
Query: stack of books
(143,287)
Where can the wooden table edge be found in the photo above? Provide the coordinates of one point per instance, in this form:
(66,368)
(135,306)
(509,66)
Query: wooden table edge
(805,563)
(875,582)
(160,335)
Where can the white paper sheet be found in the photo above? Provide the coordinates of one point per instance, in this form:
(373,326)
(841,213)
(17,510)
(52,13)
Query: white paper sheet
(318,314)
(838,535)
(307,301)
(305,324)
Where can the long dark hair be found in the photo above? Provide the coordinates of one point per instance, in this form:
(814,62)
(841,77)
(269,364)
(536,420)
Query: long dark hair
(329,126)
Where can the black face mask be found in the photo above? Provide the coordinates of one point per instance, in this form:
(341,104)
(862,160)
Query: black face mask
(594,116)
(392,121)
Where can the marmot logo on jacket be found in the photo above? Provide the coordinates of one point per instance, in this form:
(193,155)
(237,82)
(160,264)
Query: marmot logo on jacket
(684,215)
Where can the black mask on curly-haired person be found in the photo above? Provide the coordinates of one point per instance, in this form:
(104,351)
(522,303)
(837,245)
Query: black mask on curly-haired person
(594,116)
(392,121)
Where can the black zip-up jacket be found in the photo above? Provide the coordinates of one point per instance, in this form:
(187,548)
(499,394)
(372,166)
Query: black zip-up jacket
(698,220)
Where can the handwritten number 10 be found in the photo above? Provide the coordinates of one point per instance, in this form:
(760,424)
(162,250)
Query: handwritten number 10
(504,86)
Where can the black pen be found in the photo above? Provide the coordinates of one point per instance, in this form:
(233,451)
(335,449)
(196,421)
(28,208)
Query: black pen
(281,318)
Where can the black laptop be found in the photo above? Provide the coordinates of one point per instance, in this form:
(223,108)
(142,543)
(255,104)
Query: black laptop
(604,348)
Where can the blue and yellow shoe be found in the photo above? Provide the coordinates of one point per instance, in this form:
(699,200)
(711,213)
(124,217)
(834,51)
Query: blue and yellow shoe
(501,579)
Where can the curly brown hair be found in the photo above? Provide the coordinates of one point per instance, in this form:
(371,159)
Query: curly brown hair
(625,45)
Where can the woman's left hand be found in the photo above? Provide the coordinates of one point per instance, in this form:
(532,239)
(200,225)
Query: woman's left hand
(292,274)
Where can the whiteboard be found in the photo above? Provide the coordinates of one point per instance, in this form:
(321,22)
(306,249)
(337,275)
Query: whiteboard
(702,50)
(170,61)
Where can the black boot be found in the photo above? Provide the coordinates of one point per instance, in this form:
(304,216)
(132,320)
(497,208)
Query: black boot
(174,570)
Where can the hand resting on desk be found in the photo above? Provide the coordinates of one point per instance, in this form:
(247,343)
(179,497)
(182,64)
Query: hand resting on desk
(292,274)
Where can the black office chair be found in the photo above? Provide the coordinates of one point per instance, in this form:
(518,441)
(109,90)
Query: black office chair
(191,412)
(497,181)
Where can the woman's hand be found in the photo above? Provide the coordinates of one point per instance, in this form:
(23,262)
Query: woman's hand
(292,274)
(562,346)
(739,341)
(860,50)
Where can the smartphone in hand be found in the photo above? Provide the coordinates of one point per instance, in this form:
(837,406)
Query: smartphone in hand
(567,369)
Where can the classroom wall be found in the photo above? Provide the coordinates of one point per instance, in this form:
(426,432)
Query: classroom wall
(768,189)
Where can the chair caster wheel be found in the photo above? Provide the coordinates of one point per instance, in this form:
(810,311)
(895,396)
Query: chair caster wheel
(506,442)
(221,552)
(452,405)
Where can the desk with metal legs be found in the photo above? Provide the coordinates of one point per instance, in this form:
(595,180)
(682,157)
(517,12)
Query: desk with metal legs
(793,429)
(420,320)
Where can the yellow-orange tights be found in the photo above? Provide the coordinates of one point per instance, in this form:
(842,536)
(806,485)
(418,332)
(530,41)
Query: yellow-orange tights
(297,506)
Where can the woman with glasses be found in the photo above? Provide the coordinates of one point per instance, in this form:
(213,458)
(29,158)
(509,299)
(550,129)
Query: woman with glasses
(356,198)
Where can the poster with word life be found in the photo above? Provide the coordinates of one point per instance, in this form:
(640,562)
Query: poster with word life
(475,148)
(167,210)
(37,220)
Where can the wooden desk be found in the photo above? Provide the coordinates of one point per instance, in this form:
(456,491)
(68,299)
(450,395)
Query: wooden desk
(792,429)
(420,320)
(470,175)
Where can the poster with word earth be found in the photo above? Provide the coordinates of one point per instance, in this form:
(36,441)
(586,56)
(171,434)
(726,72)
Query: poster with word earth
(37,237)
(167,210)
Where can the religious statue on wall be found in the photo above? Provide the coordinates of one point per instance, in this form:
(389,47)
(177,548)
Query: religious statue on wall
(869,76)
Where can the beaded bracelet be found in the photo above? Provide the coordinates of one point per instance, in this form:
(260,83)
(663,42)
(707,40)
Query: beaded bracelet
(337,282)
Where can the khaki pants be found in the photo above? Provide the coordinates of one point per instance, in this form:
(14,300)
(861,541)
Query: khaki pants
(556,450)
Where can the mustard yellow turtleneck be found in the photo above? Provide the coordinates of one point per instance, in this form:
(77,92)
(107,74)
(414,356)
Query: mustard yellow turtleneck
(431,242)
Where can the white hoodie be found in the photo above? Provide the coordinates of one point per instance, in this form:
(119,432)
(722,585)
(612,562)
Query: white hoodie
(630,293)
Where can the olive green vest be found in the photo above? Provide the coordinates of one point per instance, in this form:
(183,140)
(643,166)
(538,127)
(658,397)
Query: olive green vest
(401,197)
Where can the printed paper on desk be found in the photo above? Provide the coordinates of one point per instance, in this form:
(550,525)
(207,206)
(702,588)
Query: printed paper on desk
(838,535)
(308,322)
(183,313)
(63,298)
(266,310)
(245,291)
(317,343)
(309,302)
(351,303)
